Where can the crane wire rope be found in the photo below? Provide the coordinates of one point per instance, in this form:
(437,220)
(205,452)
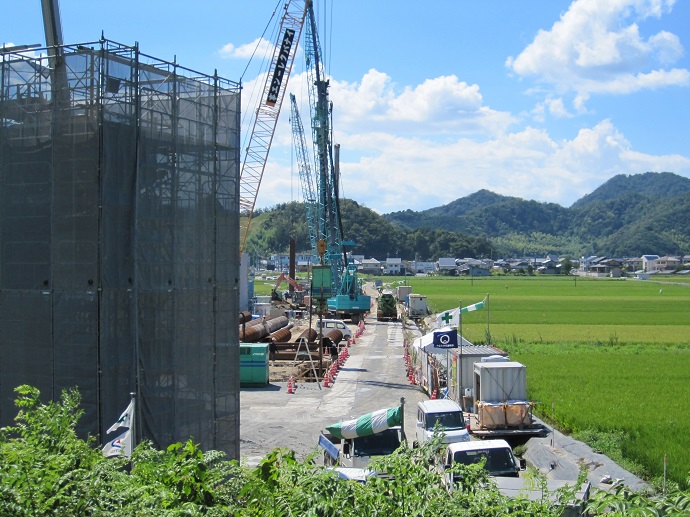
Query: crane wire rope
(257,88)
(327,57)
(258,43)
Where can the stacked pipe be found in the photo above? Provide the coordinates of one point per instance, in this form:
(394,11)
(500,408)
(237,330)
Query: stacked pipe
(310,335)
(281,335)
(332,337)
(254,330)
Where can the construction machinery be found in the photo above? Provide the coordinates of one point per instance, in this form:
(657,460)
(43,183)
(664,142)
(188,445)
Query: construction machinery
(297,289)
(321,195)
(386,307)
(266,116)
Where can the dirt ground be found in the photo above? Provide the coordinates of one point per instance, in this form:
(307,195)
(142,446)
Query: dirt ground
(280,371)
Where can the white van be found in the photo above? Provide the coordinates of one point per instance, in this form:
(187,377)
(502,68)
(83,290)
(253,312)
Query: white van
(448,414)
(329,325)
(498,456)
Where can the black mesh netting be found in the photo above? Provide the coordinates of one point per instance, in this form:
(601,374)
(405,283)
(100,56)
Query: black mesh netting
(119,240)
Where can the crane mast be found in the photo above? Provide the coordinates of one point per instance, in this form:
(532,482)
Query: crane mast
(324,213)
(305,173)
(328,225)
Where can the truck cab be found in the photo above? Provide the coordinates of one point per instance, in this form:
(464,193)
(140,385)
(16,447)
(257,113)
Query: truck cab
(498,455)
(449,417)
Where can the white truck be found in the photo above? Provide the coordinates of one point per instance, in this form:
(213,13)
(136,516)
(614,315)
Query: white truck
(505,468)
(442,413)
(499,398)
(358,452)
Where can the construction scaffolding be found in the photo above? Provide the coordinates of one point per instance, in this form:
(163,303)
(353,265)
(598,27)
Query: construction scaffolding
(119,239)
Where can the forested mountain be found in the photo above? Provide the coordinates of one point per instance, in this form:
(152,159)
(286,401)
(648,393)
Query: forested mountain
(626,216)
(374,236)
(653,184)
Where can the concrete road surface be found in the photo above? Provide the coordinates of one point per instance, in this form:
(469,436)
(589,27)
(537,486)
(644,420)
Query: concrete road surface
(373,378)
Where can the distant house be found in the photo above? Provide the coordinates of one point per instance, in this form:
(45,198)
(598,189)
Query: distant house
(501,264)
(418,266)
(668,263)
(549,267)
(392,266)
(446,264)
(587,262)
(575,263)
(633,264)
(278,262)
(370,267)
(607,267)
(472,267)
(649,262)
(518,265)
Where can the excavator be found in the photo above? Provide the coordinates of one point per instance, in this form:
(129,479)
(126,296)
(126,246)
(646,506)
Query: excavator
(298,295)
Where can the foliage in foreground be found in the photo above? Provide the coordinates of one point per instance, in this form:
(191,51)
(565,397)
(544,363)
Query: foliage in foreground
(46,469)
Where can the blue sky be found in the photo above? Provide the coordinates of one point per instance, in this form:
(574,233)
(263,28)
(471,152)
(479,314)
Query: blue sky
(538,99)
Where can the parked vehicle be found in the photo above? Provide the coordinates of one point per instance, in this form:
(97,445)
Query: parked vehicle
(499,396)
(444,414)
(353,474)
(334,324)
(358,452)
(387,307)
(505,469)
(498,456)
(417,306)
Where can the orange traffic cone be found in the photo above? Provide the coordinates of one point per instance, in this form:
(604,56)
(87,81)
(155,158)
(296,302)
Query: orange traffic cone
(291,387)
(326,379)
(433,395)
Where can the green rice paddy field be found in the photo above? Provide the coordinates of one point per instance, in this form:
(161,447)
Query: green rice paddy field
(609,359)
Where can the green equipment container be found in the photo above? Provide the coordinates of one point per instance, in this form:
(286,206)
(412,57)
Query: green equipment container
(253,364)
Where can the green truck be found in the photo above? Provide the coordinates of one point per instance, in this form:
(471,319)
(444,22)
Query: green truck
(387,307)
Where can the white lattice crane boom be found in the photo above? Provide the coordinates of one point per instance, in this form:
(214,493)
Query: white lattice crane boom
(266,117)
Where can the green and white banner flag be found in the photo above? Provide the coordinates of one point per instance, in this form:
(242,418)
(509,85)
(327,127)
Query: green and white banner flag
(368,424)
(452,318)
(471,308)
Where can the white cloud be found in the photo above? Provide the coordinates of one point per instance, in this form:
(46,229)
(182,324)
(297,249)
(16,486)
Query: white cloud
(440,105)
(260,47)
(597,47)
(554,106)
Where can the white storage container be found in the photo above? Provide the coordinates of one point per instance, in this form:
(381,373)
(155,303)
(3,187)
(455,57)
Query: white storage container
(402,292)
(500,381)
(417,305)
